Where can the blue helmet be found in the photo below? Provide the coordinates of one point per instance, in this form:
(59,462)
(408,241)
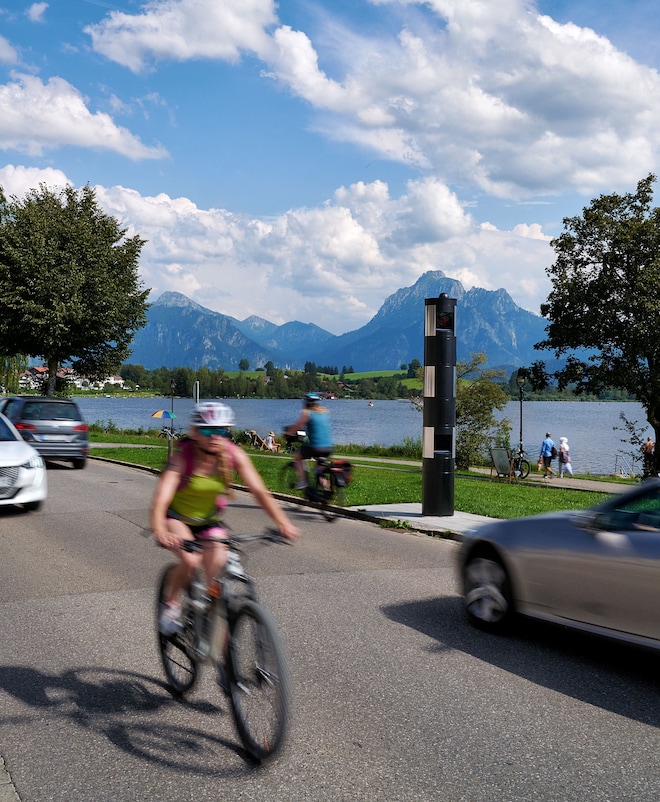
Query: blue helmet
(311,399)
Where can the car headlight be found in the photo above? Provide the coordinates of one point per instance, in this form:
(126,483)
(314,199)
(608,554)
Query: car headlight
(35,461)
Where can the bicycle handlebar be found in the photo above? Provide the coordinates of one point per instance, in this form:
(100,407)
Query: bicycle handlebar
(270,535)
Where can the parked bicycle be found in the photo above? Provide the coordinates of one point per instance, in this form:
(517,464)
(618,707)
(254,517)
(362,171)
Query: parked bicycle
(170,433)
(520,464)
(327,480)
(225,626)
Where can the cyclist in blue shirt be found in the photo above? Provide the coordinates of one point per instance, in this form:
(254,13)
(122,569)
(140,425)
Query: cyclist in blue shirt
(546,455)
(315,420)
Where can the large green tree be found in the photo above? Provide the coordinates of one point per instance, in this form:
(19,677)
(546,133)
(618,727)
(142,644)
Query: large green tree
(479,393)
(604,307)
(69,285)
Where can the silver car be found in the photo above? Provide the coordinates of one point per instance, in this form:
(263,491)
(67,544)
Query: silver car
(54,426)
(596,571)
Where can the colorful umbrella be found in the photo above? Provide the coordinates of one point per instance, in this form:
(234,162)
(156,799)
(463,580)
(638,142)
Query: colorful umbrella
(163,413)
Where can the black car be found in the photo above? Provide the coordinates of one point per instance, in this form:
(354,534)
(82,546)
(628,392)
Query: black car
(54,426)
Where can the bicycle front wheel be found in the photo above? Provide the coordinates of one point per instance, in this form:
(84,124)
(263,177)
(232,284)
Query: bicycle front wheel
(177,652)
(258,681)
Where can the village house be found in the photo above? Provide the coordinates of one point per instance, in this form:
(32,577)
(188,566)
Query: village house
(34,378)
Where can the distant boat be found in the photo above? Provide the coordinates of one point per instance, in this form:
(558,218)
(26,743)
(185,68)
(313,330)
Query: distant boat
(370,404)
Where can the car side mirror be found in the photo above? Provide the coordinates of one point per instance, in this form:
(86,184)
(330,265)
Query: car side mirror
(591,520)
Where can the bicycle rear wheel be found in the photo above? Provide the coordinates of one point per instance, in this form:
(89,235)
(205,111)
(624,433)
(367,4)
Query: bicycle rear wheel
(258,681)
(177,652)
(330,494)
(521,468)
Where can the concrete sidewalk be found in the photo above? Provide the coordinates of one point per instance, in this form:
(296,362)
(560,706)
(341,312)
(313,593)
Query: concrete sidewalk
(410,515)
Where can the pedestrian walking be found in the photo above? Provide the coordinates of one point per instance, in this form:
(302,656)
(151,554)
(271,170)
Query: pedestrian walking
(564,458)
(548,453)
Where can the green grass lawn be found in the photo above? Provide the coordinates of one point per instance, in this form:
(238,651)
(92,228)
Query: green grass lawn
(387,483)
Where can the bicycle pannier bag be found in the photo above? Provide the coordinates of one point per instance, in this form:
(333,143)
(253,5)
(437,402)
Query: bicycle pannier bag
(343,471)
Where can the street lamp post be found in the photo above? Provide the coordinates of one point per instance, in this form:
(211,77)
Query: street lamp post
(171,438)
(520,381)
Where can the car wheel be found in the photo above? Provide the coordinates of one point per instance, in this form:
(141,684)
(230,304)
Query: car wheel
(79,463)
(31,506)
(487,593)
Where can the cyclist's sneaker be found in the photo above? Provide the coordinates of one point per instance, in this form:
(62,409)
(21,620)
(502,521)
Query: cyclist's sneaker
(300,485)
(169,621)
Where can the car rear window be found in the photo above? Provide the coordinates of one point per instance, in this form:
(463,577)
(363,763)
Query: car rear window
(46,410)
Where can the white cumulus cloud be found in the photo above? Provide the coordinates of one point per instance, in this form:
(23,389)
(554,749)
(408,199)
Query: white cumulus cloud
(35,116)
(8,53)
(491,95)
(184,29)
(36,12)
(332,265)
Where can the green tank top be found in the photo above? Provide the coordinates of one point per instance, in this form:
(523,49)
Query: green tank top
(197,501)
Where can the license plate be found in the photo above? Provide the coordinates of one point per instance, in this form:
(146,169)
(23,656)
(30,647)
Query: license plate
(51,438)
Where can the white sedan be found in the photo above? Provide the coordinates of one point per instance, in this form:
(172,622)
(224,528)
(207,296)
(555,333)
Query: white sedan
(22,471)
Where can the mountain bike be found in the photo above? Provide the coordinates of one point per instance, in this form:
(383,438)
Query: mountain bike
(326,483)
(520,464)
(225,626)
(170,433)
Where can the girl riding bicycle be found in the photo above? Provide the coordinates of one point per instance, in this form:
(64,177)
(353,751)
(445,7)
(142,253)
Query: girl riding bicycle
(190,498)
(315,420)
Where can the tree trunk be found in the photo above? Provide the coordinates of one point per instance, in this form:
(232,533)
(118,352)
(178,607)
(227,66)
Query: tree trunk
(52,376)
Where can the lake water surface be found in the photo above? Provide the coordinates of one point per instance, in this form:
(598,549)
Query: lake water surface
(589,426)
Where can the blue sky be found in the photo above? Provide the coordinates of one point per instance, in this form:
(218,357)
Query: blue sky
(303,160)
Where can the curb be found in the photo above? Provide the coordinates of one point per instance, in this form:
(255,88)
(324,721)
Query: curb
(7,788)
(346,512)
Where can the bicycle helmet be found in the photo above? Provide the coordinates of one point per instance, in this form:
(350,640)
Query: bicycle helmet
(311,399)
(212,413)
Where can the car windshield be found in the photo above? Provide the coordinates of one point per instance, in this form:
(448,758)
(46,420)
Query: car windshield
(639,513)
(6,434)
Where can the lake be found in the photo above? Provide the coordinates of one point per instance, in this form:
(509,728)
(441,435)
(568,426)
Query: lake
(589,426)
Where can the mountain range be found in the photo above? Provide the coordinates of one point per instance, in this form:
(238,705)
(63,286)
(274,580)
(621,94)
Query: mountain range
(182,333)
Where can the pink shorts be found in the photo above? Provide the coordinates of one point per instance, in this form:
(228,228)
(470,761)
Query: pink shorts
(210,533)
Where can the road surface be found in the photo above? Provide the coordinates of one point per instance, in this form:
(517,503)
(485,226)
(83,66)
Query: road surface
(396,698)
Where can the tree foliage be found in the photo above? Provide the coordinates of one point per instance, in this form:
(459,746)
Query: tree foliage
(479,392)
(11,370)
(604,307)
(69,286)
(272,383)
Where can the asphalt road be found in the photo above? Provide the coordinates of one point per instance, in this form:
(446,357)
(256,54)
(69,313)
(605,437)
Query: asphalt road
(396,698)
